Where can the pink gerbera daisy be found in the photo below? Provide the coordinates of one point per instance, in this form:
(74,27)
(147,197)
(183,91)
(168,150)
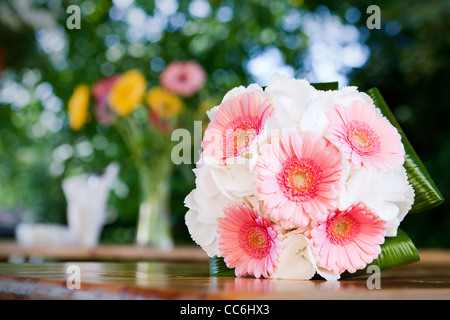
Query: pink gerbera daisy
(248,242)
(183,78)
(347,240)
(367,138)
(298,178)
(236,124)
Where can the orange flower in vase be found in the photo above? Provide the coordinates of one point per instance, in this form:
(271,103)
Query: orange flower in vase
(164,107)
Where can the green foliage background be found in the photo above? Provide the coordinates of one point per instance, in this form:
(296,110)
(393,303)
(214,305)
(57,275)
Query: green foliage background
(408,63)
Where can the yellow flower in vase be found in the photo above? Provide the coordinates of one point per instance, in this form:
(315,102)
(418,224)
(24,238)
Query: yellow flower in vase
(127,92)
(163,103)
(78,107)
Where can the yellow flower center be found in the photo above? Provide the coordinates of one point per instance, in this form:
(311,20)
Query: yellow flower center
(299,179)
(255,240)
(342,229)
(363,138)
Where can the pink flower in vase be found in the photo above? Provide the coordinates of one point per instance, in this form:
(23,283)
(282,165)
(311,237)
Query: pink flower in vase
(347,240)
(298,178)
(248,241)
(183,78)
(366,137)
(100,91)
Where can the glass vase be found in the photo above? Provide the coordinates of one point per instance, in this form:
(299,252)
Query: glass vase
(154,227)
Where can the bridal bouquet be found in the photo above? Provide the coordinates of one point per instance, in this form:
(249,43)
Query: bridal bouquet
(296,180)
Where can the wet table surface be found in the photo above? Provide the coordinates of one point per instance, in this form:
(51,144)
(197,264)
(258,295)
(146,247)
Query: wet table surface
(178,279)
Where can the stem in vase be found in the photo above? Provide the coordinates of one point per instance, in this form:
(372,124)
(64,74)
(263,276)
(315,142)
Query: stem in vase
(154,227)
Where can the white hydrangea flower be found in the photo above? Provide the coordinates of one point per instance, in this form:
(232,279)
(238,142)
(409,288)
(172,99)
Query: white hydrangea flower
(234,180)
(205,204)
(295,260)
(201,227)
(327,274)
(291,97)
(254,87)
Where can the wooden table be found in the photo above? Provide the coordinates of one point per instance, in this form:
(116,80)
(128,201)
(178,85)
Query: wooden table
(189,279)
(12,251)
